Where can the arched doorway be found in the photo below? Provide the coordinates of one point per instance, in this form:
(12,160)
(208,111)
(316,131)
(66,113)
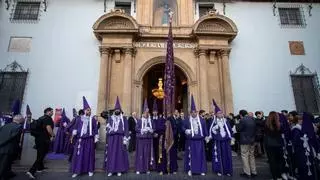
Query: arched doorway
(150,83)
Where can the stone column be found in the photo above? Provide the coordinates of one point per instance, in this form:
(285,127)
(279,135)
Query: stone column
(102,92)
(228,98)
(204,99)
(127,81)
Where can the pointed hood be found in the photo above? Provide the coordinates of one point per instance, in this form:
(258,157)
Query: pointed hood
(145,105)
(16,107)
(216,107)
(117,104)
(285,127)
(63,114)
(307,126)
(74,112)
(193,105)
(64,117)
(85,103)
(28,111)
(155,105)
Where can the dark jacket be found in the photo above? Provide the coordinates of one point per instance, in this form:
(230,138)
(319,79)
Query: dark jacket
(260,123)
(45,121)
(132,125)
(272,138)
(10,138)
(247,130)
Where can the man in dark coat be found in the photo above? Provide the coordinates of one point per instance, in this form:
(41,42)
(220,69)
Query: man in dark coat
(260,123)
(247,130)
(132,131)
(9,145)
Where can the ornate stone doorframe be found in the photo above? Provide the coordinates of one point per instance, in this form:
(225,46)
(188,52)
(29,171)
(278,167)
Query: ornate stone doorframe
(138,79)
(118,32)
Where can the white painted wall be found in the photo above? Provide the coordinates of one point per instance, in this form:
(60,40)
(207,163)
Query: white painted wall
(260,59)
(64,57)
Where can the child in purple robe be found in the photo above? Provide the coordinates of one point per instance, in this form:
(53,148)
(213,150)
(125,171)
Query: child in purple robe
(68,147)
(144,145)
(59,141)
(196,132)
(116,154)
(221,134)
(159,140)
(86,133)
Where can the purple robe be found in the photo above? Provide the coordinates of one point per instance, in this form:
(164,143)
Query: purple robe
(158,145)
(300,159)
(68,146)
(83,159)
(144,145)
(59,142)
(194,156)
(116,154)
(221,148)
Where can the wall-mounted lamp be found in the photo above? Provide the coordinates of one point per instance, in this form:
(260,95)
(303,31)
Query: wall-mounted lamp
(8,4)
(105,5)
(310,8)
(45,3)
(274,7)
(134,5)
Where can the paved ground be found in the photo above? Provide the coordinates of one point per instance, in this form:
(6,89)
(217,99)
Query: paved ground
(58,169)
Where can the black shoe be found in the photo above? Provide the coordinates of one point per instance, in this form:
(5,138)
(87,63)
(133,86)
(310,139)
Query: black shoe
(253,175)
(245,175)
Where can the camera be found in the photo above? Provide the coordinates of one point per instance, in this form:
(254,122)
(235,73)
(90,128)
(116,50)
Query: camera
(106,113)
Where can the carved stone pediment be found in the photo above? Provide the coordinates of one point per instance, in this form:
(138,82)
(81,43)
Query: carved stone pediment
(213,26)
(116,23)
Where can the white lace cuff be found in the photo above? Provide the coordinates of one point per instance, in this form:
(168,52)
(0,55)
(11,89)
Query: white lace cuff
(74,132)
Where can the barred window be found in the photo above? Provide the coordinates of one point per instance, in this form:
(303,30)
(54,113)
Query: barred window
(126,6)
(292,17)
(26,11)
(204,9)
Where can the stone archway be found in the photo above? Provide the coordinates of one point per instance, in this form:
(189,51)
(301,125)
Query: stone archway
(138,79)
(161,59)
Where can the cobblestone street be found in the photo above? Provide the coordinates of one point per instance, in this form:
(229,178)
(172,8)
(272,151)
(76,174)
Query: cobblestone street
(59,169)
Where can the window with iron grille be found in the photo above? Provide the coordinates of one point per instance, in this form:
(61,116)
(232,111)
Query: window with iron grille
(306,90)
(13,79)
(204,9)
(293,17)
(126,6)
(26,11)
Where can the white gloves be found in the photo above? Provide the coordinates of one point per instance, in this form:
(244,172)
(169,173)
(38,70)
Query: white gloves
(188,131)
(207,139)
(125,141)
(64,124)
(150,130)
(233,140)
(155,135)
(96,138)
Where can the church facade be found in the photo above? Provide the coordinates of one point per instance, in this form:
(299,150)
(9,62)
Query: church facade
(252,55)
